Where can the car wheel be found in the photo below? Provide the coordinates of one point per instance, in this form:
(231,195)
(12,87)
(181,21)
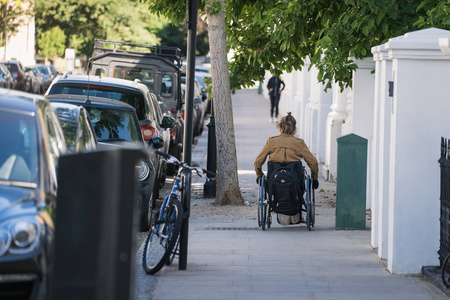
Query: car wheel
(146,212)
(156,189)
(163,175)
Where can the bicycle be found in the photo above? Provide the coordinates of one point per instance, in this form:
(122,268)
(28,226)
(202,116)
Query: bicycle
(161,244)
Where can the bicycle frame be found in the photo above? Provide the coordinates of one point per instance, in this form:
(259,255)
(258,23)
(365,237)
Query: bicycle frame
(175,192)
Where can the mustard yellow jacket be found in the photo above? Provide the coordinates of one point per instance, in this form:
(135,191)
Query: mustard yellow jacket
(286,148)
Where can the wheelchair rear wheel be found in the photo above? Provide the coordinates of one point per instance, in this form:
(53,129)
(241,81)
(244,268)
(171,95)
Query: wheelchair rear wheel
(313,208)
(262,205)
(308,203)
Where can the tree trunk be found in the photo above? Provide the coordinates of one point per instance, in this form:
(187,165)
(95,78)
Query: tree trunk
(227,183)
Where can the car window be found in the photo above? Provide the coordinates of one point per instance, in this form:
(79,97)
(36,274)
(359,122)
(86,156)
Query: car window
(166,86)
(13,68)
(55,143)
(68,119)
(44,70)
(155,109)
(87,140)
(145,75)
(134,98)
(114,125)
(100,72)
(18,151)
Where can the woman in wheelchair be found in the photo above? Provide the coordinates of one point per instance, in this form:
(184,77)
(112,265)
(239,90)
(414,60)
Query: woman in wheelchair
(284,149)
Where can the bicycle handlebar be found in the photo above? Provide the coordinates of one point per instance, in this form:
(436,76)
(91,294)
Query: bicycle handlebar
(163,154)
(172,159)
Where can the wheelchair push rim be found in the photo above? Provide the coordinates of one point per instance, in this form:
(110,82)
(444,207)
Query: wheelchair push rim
(262,206)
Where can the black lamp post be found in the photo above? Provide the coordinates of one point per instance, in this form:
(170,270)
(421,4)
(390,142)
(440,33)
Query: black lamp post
(209,189)
(191,23)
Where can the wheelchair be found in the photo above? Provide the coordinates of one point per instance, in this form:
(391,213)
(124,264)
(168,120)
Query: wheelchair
(307,197)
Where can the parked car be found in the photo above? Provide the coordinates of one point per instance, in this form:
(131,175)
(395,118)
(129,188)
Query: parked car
(77,127)
(158,67)
(6,79)
(47,76)
(151,120)
(17,72)
(200,106)
(204,86)
(53,71)
(31,143)
(116,124)
(37,85)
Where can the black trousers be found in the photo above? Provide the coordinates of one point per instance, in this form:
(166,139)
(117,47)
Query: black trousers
(274,100)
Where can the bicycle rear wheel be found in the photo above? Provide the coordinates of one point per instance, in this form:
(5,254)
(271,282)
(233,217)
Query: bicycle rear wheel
(162,237)
(174,253)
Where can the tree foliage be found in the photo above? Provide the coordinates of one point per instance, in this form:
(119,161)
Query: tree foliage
(437,14)
(52,42)
(85,20)
(13,14)
(175,36)
(279,35)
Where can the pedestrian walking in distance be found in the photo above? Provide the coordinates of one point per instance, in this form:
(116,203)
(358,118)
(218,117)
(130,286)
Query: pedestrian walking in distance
(275,89)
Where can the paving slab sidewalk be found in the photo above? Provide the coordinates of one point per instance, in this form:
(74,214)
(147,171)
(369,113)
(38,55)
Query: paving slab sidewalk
(230,258)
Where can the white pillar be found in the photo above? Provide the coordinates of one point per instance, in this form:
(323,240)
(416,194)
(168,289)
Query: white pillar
(325,99)
(384,156)
(377,57)
(311,114)
(419,118)
(380,151)
(347,126)
(335,119)
(303,94)
(363,109)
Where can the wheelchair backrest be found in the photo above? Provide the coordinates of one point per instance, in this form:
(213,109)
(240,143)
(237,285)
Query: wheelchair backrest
(285,183)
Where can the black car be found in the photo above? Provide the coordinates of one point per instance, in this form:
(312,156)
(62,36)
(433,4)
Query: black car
(200,106)
(77,127)
(31,143)
(17,72)
(158,67)
(116,124)
(151,120)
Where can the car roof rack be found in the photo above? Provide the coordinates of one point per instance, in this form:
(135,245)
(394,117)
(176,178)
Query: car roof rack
(170,53)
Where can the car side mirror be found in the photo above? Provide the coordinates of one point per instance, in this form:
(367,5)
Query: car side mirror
(167,122)
(156,142)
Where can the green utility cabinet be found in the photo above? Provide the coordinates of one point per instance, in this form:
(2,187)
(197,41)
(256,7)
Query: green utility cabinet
(351,183)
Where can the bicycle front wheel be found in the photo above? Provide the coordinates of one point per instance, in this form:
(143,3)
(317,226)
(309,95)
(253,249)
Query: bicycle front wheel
(162,237)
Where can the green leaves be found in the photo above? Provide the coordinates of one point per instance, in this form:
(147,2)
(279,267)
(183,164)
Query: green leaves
(268,35)
(437,14)
(52,42)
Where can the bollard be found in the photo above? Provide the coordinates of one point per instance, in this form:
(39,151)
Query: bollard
(209,188)
(351,183)
(96,226)
(260,88)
